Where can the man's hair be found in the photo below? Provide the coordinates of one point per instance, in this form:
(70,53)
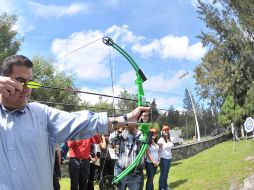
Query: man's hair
(9,62)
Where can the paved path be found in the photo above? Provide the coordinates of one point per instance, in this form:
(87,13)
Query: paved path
(248,183)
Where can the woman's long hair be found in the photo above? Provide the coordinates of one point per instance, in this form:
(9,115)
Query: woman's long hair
(155,141)
(153,130)
(166,137)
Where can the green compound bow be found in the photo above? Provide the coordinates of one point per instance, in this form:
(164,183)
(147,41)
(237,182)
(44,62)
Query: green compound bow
(109,182)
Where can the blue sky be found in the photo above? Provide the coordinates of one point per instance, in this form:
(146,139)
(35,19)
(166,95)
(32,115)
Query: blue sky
(159,34)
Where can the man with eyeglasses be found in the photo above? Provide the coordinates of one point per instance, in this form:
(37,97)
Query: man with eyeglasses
(30,131)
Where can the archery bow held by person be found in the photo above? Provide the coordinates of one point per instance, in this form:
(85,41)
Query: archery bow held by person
(30,131)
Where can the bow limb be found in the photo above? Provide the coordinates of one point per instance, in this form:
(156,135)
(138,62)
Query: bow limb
(144,127)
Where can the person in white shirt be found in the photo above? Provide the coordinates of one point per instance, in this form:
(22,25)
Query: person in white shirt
(152,160)
(165,143)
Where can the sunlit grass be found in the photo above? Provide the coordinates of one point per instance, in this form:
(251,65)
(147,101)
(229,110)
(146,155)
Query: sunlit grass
(215,168)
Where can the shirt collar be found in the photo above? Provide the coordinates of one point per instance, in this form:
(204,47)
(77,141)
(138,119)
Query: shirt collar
(14,111)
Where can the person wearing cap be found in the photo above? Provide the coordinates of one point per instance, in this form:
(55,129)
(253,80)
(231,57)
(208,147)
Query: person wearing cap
(165,144)
(152,159)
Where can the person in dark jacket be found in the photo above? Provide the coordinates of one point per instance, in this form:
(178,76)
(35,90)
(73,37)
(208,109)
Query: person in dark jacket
(57,170)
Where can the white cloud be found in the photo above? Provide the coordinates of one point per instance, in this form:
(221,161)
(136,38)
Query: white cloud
(127,77)
(147,50)
(6,6)
(157,83)
(161,101)
(163,82)
(123,34)
(57,10)
(22,26)
(167,47)
(91,62)
(154,85)
(93,99)
(165,103)
(87,97)
(87,63)
(171,47)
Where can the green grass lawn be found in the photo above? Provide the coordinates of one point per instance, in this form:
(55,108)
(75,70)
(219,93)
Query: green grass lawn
(215,168)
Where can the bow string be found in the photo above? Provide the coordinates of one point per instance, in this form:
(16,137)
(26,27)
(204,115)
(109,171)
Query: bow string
(144,127)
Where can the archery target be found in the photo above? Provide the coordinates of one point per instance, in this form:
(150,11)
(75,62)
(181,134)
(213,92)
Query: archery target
(249,124)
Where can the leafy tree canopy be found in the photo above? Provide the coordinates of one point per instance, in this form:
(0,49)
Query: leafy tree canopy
(9,44)
(47,74)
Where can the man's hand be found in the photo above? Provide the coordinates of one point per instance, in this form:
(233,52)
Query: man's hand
(132,118)
(138,114)
(8,86)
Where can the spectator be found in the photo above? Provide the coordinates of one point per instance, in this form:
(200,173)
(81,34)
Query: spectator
(79,164)
(97,164)
(64,149)
(93,159)
(165,143)
(152,160)
(57,170)
(129,143)
(106,163)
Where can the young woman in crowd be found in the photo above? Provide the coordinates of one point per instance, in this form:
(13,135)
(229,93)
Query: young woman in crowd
(165,144)
(152,160)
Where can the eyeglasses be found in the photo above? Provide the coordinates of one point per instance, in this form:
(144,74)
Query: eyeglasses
(165,130)
(23,81)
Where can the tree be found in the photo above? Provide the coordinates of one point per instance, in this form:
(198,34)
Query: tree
(227,67)
(206,121)
(103,105)
(244,13)
(9,44)
(230,112)
(187,101)
(47,74)
(249,100)
(154,113)
(126,105)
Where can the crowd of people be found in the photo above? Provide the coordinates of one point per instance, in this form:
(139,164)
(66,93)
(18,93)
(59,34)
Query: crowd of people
(99,156)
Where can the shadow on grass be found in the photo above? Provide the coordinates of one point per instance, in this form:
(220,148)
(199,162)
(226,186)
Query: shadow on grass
(177,183)
(175,163)
(158,169)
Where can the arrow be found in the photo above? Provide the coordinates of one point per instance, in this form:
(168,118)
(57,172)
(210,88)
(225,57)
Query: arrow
(34,85)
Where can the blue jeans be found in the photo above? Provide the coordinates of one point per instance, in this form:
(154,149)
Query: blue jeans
(164,170)
(150,172)
(134,180)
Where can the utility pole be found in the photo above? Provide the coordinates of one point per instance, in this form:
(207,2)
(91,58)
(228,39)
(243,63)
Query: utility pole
(193,106)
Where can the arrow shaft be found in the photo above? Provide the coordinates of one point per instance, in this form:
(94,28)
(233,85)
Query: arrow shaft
(80,91)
